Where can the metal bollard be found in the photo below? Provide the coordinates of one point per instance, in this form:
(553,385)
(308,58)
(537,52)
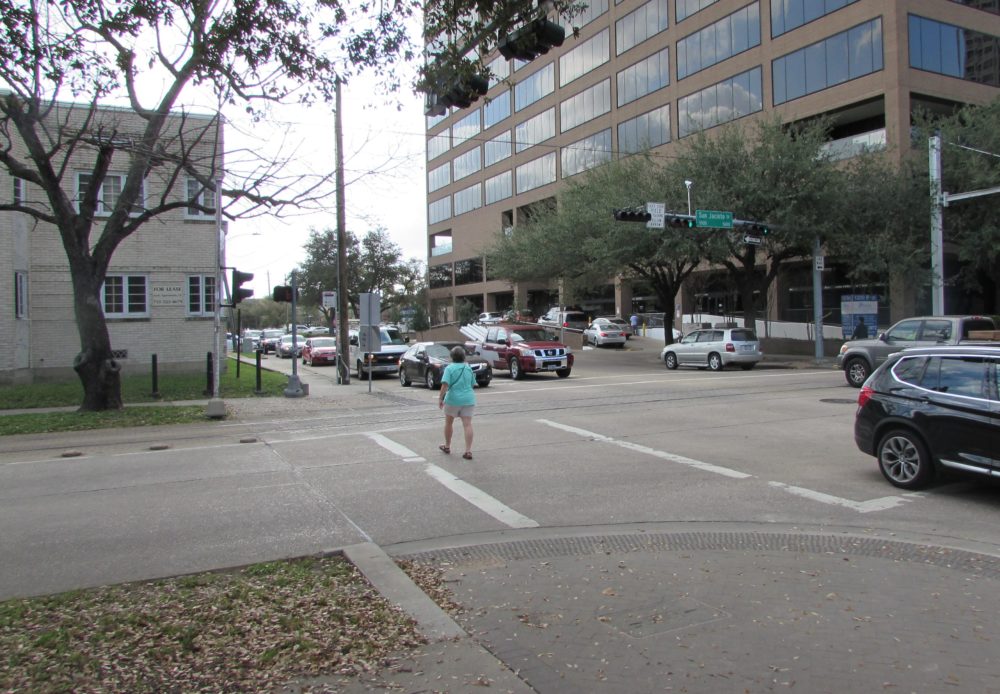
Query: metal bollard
(156,380)
(209,391)
(258,390)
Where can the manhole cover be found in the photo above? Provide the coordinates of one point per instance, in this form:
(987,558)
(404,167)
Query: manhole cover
(840,401)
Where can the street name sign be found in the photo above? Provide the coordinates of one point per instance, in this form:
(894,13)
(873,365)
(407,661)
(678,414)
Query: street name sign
(713,219)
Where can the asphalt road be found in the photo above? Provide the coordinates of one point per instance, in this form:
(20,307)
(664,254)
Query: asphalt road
(621,443)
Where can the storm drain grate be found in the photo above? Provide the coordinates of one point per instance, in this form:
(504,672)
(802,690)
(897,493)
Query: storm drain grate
(943,557)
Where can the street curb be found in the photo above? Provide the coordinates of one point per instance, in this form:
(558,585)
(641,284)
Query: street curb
(396,587)
(456,661)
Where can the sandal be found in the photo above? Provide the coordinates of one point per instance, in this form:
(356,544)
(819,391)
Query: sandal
(444,449)
(467,455)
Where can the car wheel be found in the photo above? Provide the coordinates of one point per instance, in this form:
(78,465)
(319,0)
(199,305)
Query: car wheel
(515,369)
(714,362)
(670,360)
(563,373)
(483,382)
(404,380)
(362,376)
(857,372)
(429,380)
(747,367)
(903,460)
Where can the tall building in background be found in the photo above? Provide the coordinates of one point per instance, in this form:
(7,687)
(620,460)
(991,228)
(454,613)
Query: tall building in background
(648,74)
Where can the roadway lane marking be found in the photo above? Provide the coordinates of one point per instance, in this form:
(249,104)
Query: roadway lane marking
(691,462)
(480,499)
(604,382)
(475,496)
(399,449)
(881,504)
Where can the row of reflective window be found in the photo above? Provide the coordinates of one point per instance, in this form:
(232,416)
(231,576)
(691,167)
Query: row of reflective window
(856,52)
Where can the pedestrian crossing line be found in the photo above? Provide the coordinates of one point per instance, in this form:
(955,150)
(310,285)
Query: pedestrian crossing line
(638,448)
(480,499)
(470,493)
(881,504)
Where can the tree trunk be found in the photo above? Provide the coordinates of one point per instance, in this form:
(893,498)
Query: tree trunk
(95,364)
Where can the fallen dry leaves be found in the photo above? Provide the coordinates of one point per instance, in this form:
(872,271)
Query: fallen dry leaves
(249,630)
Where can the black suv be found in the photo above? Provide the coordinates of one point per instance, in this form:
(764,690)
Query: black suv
(929,408)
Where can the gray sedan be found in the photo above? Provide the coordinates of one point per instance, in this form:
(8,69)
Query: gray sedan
(604,331)
(714,348)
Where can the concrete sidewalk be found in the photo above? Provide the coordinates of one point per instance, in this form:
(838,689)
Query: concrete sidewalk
(703,608)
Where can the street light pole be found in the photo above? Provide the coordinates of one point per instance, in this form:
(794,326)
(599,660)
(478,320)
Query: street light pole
(687,184)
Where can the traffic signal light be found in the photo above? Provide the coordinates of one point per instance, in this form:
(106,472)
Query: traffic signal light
(680,221)
(531,40)
(632,214)
(238,279)
(459,91)
(282,292)
(755,228)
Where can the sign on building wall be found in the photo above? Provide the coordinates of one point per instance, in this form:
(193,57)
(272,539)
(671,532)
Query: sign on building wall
(167,295)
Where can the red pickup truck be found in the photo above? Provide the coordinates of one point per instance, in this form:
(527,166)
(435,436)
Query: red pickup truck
(523,349)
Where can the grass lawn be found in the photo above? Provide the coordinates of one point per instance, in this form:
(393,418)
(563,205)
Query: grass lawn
(135,391)
(255,629)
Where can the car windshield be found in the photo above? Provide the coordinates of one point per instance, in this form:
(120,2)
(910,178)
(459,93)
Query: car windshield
(529,335)
(286,338)
(273,333)
(440,351)
(392,336)
(324,342)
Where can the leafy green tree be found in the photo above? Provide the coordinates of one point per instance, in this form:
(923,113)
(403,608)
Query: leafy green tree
(884,220)
(580,242)
(970,160)
(374,264)
(772,173)
(318,272)
(466,311)
(248,55)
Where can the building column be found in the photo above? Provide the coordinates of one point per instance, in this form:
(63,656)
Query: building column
(623,297)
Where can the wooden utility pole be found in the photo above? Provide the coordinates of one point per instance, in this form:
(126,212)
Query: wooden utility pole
(343,344)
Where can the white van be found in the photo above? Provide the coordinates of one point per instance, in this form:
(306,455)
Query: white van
(384,362)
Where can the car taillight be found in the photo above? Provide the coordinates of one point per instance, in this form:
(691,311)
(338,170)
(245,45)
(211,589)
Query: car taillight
(864,395)
(565,324)
(730,347)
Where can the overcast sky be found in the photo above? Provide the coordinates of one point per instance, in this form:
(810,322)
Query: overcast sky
(384,171)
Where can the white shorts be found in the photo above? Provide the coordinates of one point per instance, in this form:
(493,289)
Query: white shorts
(459,410)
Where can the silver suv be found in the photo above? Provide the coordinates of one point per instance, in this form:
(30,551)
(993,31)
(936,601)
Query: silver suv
(714,348)
(574,320)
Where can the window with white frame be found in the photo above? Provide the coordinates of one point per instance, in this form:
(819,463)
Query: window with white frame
(20,295)
(125,296)
(201,295)
(109,192)
(199,195)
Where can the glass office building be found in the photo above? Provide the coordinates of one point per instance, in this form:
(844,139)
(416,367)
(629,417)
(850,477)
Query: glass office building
(647,74)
